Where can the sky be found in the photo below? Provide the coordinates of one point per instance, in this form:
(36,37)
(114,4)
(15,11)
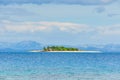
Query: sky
(68,22)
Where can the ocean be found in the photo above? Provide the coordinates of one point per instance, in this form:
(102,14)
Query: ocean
(59,66)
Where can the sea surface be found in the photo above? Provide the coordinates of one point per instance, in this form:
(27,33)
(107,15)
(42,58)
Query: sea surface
(59,66)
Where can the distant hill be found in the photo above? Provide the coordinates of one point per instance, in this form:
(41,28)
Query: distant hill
(27,45)
(112,48)
(103,48)
(20,46)
(33,45)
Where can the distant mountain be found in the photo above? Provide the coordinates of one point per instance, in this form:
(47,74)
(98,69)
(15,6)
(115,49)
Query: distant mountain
(20,46)
(28,45)
(103,48)
(33,45)
(112,48)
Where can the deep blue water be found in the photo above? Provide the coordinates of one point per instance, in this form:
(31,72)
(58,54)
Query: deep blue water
(59,66)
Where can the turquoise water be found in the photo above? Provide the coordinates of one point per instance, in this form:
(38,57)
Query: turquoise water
(59,66)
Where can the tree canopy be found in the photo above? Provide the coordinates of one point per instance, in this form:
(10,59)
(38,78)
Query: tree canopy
(59,48)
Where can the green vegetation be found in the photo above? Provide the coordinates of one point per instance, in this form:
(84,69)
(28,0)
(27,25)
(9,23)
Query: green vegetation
(59,48)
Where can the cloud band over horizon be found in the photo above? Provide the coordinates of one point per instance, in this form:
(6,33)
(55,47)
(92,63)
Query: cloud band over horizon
(77,2)
(83,21)
(43,26)
(60,31)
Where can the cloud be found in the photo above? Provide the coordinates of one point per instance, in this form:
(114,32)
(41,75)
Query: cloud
(109,30)
(14,10)
(100,9)
(107,34)
(113,14)
(59,31)
(79,2)
(32,27)
(53,27)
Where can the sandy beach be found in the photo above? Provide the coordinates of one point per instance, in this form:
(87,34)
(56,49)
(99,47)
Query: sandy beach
(67,51)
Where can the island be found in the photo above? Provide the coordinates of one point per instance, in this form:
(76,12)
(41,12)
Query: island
(59,49)
(63,49)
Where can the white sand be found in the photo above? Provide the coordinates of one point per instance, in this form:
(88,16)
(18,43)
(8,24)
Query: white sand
(76,51)
(67,51)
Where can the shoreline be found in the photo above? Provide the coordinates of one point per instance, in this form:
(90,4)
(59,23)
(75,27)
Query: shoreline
(72,51)
(67,51)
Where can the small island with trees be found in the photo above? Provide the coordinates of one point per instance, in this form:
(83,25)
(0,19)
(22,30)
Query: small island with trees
(59,49)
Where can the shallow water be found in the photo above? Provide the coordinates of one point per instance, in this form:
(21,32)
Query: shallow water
(59,66)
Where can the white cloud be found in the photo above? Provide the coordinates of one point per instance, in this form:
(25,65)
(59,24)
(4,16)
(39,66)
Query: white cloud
(43,26)
(66,26)
(109,30)
(33,27)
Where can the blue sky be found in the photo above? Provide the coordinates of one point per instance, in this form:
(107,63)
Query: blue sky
(69,22)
